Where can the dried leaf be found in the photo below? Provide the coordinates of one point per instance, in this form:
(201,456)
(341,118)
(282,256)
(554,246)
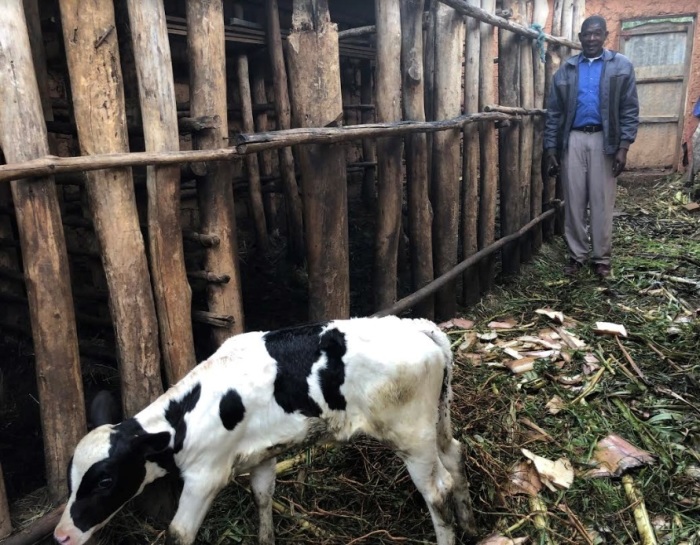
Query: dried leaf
(474,359)
(554,475)
(609,328)
(468,342)
(462,323)
(523,365)
(505,324)
(555,405)
(446,325)
(524,479)
(614,455)
(570,339)
(554,315)
(542,341)
(512,353)
(490,336)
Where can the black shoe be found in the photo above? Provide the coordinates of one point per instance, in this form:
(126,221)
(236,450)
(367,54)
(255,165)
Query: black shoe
(602,270)
(573,267)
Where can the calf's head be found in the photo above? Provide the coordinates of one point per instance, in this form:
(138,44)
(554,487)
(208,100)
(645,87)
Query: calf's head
(111,465)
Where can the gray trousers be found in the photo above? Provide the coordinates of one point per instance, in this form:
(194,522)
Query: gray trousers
(588,184)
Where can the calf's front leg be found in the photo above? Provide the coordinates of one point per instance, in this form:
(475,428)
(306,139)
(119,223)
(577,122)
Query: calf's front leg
(262,483)
(195,501)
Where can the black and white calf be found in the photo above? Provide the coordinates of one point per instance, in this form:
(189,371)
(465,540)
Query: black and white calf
(263,393)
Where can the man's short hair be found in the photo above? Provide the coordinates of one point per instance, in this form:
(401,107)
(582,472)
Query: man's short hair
(594,20)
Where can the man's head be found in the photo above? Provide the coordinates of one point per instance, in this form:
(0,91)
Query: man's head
(593,34)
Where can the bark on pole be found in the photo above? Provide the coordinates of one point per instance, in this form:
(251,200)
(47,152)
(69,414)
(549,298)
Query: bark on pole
(470,153)
(387,86)
(577,17)
(23,137)
(567,25)
(314,74)
(417,180)
(248,125)
(449,48)
(509,142)
(157,96)
(527,100)
(207,63)
(429,76)
(369,151)
(284,121)
(488,151)
(96,78)
(5,522)
(540,14)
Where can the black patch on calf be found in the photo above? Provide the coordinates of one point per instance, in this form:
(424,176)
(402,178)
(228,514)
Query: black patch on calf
(295,350)
(176,411)
(333,375)
(111,482)
(231,409)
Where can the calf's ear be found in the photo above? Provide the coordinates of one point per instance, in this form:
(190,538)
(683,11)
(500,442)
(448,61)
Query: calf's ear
(149,444)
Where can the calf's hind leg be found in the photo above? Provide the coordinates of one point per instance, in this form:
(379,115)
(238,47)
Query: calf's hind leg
(262,483)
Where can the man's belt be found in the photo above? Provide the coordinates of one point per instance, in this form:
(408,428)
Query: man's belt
(589,128)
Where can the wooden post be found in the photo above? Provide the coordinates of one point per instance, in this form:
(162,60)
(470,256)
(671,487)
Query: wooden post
(389,152)
(449,48)
(417,180)
(577,17)
(95,76)
(23,137)
(5,522)
(369,151)
(248,125)
(271,200)
(281,93)
(429,76)
(509,142)
(314,74)
(158,110)
(488,151)
(567,25)
(470,153)
(539,16)
(207,63)
(527,100)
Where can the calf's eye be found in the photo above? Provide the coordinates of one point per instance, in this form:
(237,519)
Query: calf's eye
(105,482)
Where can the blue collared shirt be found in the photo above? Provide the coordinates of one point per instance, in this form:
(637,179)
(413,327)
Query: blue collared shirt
(588,98)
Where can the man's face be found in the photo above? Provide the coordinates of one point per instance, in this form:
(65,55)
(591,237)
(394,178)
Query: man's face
(592,37)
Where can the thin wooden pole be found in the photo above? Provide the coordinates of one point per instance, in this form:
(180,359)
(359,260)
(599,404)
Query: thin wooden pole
(417,181)
(369,151)
(95,76)
(271,200)
(314,75)
(471,153)
(449,48)
(157,96)
(23,137)
(5,522)
(567,25)
(527,101)
(429,76)
(488,184)
(389,151)
(509,142)
(540,14)
(248,125)
(207,56)
(286,158)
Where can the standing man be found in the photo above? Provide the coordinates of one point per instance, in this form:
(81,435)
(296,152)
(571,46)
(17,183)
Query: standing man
(592,119)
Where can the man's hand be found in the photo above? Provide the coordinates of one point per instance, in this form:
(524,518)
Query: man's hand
(551,162)
(619,162)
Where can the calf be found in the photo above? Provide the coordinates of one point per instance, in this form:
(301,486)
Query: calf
(264,393)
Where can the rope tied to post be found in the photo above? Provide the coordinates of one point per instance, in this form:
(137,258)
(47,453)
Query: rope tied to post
(539,40)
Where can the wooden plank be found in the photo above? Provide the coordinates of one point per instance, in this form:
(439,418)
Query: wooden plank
(527,136)
(471,154)
(207,69)
(488,149)
(369,152)
(314,76)
(23,137)
(286,159)
(445,193)
(417,180)
(509,143)
(95,77)
(159,113)
(389,152)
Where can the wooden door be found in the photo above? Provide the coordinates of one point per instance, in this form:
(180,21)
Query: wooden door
(660,51)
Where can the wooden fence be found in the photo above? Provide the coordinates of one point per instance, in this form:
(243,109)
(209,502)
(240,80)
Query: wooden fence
(472,170)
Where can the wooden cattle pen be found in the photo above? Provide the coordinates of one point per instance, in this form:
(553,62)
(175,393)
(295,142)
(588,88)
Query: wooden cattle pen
(155,149)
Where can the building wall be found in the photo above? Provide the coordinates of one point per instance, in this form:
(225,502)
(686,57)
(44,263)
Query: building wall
(615,11)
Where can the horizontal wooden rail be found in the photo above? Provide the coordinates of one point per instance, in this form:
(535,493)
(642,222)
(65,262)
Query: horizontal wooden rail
(51,164)
(463,7)
(514,110)
(429,289)
(36,530)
